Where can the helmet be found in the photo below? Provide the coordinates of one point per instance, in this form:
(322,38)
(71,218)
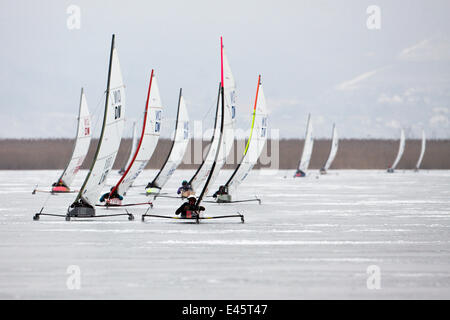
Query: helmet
(192,197)
(184,182)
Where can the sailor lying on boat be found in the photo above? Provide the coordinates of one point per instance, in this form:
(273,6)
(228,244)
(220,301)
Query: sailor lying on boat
(299,173)
(222,195)
(222,191)
(189,209)
(185,190)
(59,187)
(58,184)
(114,195)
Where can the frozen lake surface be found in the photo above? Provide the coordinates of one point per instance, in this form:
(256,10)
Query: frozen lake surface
(311,237)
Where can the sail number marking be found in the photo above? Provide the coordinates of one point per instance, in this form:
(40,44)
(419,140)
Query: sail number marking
(233,102)
(117,111)
(158,121)
(116,101)
(263,127)
(87,129)
(137,173)
(106,169)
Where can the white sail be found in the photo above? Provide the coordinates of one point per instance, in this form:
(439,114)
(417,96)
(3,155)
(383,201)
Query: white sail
(227,141)
(215,148)
(422,150)
(401,148)
(334,149)
(149,138)
(179,145)
(134,143)
(307,148)
(205,168)
(112,129)
(256,141)
(82,143)
(229,87)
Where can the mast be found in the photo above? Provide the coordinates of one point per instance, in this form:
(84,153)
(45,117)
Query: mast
(140,140)
(251,133)
(205,187)
(221,66)
(103,125)
(173,142)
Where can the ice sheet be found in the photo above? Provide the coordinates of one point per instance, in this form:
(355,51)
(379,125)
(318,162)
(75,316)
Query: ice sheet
(311,237)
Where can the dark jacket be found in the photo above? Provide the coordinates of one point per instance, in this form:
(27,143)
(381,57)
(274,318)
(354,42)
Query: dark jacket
(59,184)
(221,191)
(299,173)
(114,195)
(184,188)
(188,207)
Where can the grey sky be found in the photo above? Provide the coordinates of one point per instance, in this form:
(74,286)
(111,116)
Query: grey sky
(314,56)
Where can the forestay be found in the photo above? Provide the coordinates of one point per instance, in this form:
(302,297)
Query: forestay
(334,148)
(307,148)
(179,145)
(401,148)
(151,129)
(82,142)
(256,141)
(422,150)
(111,134)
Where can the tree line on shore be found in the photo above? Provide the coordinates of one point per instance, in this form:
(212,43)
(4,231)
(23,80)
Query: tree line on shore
(47,154)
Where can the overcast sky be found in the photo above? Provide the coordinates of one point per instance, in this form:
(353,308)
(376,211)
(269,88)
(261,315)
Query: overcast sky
(314,56)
